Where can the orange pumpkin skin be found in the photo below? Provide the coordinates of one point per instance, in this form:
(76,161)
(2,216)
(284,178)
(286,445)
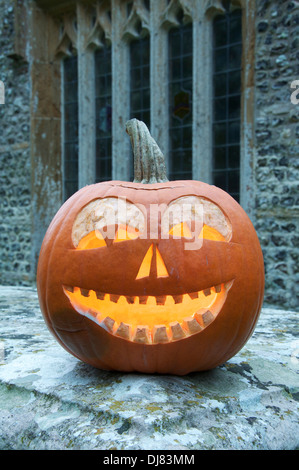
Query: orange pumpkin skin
(113,269)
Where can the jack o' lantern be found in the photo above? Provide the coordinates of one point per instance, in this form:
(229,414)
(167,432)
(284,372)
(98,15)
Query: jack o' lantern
(151,276)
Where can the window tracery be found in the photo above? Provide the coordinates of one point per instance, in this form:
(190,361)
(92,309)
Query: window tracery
(177,11)
(100,33)
(116,24)
(137,23)
(67,44)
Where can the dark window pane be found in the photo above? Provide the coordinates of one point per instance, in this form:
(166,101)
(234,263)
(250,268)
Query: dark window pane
(234,82)
(175,44)
(70,187)
(227,54)
(146,77)
(139,83)
(70,170)
(140,79)
(103,103)
(187,44)
(220,84)
(70,151)
(235,32)
(220,108)
(136,100)
(70,106)
(176,69)
(219,131)
(220,179)
(233,181)
(187,135)
(71,91)
(146,98)
(220,60)
(187,66)
(235,53)
(220,32)
(234,107)
(234,156)
(234,132)
(220,158)
(180,100)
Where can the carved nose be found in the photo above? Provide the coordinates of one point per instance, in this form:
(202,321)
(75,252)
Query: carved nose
(152,263)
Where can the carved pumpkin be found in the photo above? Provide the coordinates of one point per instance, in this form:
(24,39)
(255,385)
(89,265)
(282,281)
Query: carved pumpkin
(151,276)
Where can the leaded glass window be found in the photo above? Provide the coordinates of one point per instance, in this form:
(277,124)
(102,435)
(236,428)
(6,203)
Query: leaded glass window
(140,79)
(103,95)
(180,102)
(139,83)
(70,94)
(227,55)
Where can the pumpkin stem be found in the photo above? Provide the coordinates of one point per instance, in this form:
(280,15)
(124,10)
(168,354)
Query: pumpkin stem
(149,163)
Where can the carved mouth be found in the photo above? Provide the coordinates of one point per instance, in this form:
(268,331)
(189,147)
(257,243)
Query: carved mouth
(145,319)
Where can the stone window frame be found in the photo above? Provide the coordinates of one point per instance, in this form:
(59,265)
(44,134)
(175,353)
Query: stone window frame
(71,25)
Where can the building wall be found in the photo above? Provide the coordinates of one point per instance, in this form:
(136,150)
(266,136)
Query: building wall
(15,185)
(23,147)
(277,147)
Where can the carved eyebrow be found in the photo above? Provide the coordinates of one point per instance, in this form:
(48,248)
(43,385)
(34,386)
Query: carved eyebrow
(193,208)
(100,213)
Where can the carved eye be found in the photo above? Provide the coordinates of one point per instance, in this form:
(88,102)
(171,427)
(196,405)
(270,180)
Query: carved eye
(99,220)
(181,230)
(126,233)
(93,239)
(210,233)
(190,216)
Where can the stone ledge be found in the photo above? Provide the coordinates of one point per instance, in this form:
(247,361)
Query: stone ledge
(50,400)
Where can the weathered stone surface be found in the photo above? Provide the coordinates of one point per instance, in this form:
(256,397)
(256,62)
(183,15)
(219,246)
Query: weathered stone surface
(50,400)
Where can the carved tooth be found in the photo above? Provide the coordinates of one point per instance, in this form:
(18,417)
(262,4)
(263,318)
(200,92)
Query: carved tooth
(204,318)
(84,292)
(114,298)
(123,330)
(160,299)
(143,299)
(178,299)
(92,313)
(100,295)
(207,292)
(160,334)
(193,295)
(69,288)
(141,334)
(218,288)
(108,324)
(130,299)
(169,301)
(151,300)
(228,285)
(177,331)
(191,325)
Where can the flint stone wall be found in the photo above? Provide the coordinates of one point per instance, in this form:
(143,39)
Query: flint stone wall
(15,173)
(51,400)
(277,148)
